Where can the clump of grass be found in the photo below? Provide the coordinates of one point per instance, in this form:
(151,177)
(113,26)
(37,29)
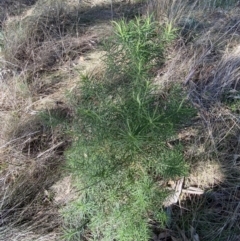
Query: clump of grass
(44,39)
(120,156)
(14,8)
(29,165)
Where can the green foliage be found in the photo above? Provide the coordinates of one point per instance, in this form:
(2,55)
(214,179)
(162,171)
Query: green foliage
(137,46)
(120,156)
(232,101)
(225,3)
(53,118)
(221,3)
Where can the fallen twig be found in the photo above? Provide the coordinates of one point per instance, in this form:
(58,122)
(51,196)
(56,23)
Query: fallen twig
(50,149)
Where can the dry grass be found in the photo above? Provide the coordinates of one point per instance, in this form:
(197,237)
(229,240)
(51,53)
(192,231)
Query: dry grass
(30,164)
(206,60)
(12,8)
(44,39)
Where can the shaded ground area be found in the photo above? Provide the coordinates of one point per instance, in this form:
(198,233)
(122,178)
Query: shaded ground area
(13,7)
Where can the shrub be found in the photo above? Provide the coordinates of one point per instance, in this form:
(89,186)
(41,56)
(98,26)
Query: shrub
(120,156)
